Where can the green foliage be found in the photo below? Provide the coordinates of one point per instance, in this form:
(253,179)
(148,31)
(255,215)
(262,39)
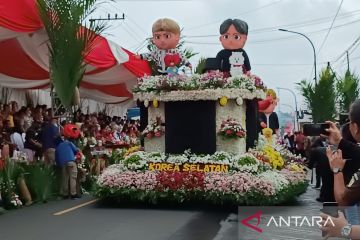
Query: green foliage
(320,98)
(348,90)
(247,160)
(42,181)
(8,181)
(69,42)
(200,66)
(117,156)
(133,159)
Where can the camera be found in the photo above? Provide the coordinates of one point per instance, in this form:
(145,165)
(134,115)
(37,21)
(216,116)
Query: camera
(315,129)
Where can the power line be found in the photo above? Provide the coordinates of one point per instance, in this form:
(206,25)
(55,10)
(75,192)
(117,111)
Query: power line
(357,40)
(243,13)
(109,18)
(332,24)
(274,39)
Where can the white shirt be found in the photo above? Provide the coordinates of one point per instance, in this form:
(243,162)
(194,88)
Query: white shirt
(18,139)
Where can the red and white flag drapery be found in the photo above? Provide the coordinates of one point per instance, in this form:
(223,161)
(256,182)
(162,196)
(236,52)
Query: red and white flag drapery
(24,62)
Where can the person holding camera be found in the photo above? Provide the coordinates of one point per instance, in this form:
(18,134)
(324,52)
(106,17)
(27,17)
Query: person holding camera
(345,196)
(348,145)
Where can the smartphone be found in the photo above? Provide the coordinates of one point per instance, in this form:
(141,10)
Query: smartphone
(316,129)
(330,208)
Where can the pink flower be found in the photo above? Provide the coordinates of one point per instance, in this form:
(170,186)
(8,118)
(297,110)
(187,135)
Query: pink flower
(158,134)
(229,132)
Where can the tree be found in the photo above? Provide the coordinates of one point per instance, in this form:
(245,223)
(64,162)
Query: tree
(69,42)
(348,90)
(320,98)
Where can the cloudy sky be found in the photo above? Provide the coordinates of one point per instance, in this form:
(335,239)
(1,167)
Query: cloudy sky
(280,58)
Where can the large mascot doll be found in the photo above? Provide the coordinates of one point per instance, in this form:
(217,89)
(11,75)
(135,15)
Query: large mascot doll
(268,118)
(166,55)
(233,60)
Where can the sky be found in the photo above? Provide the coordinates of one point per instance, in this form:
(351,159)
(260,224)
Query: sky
(281,59)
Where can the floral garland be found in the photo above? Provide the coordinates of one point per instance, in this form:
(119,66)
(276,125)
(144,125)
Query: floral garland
(231,128)
(212,80)
(196,95)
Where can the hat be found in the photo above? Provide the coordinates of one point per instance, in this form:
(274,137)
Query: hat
(71,131)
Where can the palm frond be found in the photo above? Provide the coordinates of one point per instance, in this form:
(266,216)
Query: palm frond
(321,97)
(69,41)
(348,90)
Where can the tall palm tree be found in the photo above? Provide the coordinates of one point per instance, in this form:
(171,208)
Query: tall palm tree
(320,98)
(70,40)
(348,90)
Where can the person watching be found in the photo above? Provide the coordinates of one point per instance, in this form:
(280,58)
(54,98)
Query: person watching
(345,196)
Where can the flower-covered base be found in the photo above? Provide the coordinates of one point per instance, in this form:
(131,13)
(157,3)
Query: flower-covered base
(257,178)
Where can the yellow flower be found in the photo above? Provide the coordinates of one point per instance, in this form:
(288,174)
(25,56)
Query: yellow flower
(132,150)
(223,101)
(155,103)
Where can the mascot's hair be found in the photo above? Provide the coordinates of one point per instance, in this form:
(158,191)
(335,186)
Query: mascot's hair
(240,26)
(167,25)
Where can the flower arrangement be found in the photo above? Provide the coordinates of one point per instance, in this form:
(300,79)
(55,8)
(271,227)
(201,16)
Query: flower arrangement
(154,129)
(275,159)
(210,80)
(230,128)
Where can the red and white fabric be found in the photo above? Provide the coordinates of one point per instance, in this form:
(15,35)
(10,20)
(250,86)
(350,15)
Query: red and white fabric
(24,64)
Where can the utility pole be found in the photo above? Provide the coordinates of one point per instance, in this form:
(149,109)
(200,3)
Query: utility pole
(348,61)
(109,18)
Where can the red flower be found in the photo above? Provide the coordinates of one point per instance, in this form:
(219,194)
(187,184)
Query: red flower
(229,132)
(240,134)
(158,134)
(149,135)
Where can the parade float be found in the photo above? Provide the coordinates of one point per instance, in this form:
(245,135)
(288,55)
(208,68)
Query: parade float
(201,140)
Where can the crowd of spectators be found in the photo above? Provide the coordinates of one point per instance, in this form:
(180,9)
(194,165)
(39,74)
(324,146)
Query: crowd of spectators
(33,131)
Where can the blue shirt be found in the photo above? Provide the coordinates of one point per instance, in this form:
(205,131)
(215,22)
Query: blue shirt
(49,135)
(65,152)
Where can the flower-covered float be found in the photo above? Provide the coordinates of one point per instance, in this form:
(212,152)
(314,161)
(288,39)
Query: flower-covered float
(201,137)
(266,174)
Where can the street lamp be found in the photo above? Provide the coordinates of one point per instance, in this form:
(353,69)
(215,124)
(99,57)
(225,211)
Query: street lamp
(296,109)
(285,30)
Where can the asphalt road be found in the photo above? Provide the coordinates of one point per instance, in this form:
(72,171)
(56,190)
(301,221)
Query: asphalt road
(96,221)
(92,220)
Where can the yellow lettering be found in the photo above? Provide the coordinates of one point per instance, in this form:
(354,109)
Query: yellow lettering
(177,168)
(151,166)
(206,168)
(186,167)
(217,168)
(193,167)
(212,168)
(170,167)
(163,167)
(199,169)
(224,168)
(158,166)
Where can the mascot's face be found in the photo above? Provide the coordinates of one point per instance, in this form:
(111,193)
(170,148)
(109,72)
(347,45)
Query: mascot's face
(165,40)
(232,39)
